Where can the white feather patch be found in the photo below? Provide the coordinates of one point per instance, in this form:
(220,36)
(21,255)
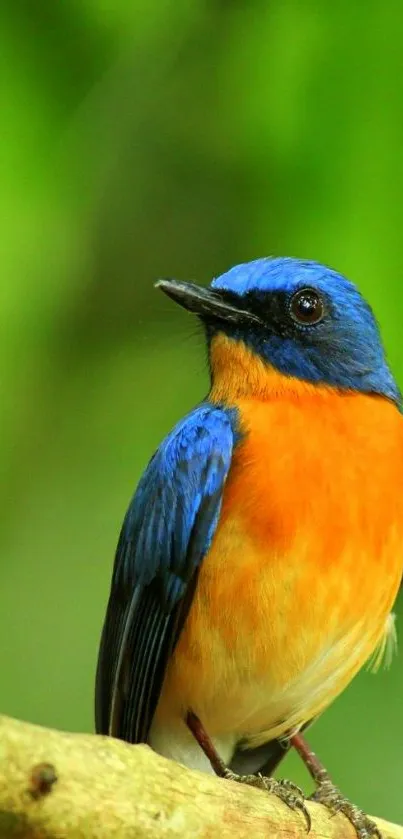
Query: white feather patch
(386,648)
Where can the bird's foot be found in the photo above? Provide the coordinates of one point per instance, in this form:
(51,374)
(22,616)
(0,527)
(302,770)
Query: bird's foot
(331,798)
(329,795)
(286,791)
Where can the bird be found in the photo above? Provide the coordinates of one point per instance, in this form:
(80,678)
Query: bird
(261,555)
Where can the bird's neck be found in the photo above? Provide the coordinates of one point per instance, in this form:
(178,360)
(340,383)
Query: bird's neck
(237,372)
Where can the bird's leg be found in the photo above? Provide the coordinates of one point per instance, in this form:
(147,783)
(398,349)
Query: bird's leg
(329,795)
(288,792)
(206,744)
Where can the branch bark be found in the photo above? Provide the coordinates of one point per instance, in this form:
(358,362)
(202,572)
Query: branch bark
(55,785)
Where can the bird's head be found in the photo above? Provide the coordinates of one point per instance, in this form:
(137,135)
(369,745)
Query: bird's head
(291,318)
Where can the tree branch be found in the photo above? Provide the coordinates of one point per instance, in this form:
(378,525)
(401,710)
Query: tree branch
(55,785)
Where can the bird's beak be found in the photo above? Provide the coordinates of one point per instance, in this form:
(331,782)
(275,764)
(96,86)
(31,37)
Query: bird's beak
(208,303)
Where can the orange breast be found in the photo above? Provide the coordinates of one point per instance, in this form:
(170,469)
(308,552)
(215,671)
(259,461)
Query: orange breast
(305,565)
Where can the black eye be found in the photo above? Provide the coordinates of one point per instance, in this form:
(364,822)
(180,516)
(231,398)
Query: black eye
(306,306)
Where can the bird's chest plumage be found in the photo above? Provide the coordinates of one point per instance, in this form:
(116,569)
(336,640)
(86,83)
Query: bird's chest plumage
(295,592)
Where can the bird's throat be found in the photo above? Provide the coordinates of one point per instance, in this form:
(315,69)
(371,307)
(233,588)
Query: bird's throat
(236,372)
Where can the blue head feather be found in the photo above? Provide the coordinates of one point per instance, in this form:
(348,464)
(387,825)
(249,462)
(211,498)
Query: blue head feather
(344,349)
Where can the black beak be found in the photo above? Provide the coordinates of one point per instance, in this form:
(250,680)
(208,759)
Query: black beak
(207,302)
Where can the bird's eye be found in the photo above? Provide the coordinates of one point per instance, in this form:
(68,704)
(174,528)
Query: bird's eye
(307,307)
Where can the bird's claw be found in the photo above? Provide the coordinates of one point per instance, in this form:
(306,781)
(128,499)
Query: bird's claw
(286,791)
(331,798)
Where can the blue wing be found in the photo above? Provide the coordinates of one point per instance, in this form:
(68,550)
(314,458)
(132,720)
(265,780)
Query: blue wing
(165,535)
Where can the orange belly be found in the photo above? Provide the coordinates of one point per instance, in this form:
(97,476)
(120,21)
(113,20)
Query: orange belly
(295,592)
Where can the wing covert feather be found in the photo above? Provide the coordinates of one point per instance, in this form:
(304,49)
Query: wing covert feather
(167,531)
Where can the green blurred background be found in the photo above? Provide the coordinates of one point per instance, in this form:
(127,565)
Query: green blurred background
(176,138)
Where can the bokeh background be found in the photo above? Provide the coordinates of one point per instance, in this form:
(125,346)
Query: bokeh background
(177,138)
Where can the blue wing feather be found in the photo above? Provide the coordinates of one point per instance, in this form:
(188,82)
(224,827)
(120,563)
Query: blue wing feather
(166,533)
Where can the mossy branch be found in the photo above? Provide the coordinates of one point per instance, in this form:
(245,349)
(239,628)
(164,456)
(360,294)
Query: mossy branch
(55,785)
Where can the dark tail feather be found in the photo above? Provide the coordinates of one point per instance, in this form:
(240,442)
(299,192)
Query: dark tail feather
(264,759)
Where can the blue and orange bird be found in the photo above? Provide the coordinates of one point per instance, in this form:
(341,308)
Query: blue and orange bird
(261,555)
